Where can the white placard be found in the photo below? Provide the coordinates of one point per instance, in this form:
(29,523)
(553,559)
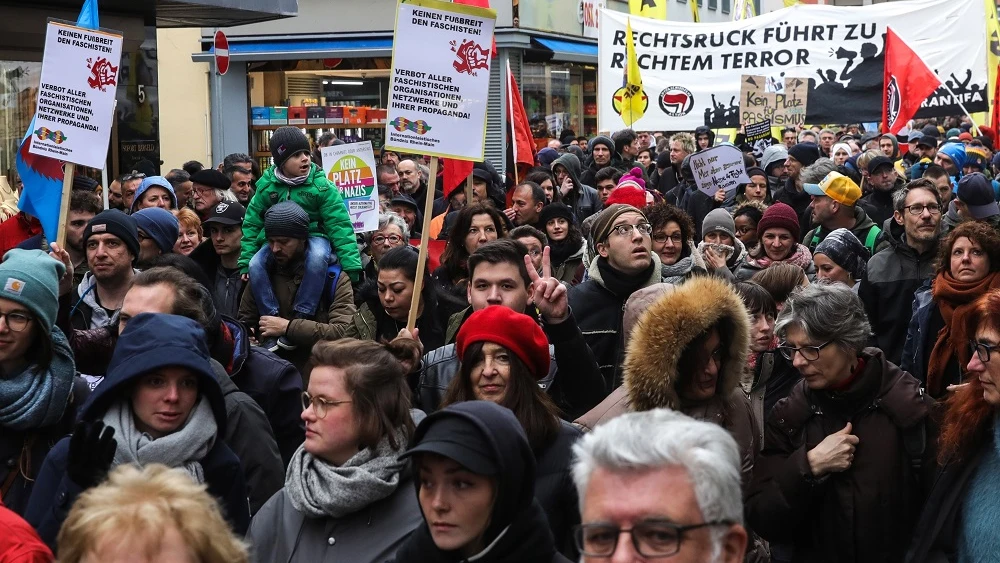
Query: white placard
(76,94)
(440,79)
(719,167)
(351,168)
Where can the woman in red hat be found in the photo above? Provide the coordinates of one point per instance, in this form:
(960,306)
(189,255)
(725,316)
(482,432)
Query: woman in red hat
(779,244)
(503,356)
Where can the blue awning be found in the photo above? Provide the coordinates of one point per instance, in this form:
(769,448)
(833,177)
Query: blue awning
(281,49)
(571,51)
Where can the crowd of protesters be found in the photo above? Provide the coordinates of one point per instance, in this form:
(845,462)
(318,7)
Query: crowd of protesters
(609,362)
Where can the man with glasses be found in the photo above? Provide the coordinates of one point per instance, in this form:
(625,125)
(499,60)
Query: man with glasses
(209,188)
(658,485)
(906,260)
(625,263)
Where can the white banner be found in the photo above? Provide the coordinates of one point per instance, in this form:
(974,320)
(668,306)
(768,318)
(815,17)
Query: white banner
(440,79)
(351,168)
(691,72)
(76,94)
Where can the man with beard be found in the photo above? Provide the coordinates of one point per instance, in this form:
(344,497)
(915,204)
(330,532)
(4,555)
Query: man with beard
(894,273)
(602,153)
(412,184)
(526,205)
(111,240)
(209,188)
(833,208)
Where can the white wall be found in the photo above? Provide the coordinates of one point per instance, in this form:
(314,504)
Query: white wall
(185,133)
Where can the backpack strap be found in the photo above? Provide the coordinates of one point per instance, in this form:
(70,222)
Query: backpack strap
(873,234)
(332,276)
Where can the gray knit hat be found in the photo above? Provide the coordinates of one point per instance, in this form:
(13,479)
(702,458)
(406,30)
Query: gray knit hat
(285,142)
(846,251)
(286,219)
(718,220)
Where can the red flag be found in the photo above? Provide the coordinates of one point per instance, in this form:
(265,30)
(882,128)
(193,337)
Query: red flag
(455,174)
(908,82)
(524,144)
(995,117)
(480,4)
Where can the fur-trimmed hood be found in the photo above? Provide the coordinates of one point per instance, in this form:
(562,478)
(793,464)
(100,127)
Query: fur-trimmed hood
(666,329)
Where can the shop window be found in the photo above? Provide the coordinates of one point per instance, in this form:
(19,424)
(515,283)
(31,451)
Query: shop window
(560,98)
(19,92)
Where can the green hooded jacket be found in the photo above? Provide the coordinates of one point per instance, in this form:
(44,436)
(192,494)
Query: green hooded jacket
(319,198)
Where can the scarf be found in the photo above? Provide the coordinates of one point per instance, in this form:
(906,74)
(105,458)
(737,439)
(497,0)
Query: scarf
(560,251)
(185,448)
(296,181)
(954,300)
(620,283)
(754,357)
(801,258)
(318,489)
(29,399)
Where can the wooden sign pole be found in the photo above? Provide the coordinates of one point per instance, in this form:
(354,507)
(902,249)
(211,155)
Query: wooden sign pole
(418,283)
(468,190)
(68,172)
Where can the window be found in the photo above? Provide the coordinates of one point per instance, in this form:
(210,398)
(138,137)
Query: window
(713,4)
(725,6)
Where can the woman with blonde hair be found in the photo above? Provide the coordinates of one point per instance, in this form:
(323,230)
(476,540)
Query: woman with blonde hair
(155,511)
(190,234)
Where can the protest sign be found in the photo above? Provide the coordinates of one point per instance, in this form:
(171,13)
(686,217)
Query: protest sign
(351,168)
(76,94)
(757,131)
(692,73)
(718,167)
(440,79)
(784,106)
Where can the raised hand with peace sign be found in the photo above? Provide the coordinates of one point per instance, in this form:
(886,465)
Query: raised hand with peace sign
(547,293)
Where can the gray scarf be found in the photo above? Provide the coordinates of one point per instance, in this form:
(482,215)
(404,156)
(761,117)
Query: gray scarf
(185,448)
(318,489)
(296,181)
(678,271)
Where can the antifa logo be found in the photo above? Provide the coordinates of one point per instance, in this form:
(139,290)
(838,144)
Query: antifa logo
(891,101)
(676,101)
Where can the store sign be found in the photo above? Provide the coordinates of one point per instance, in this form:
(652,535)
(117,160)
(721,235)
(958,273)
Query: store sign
(693,74)
(588,13)
(440,79)
(76,94)
(352,169)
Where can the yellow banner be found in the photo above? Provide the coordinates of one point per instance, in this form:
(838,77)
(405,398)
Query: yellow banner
(656,9)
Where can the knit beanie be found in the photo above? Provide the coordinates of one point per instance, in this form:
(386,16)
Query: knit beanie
(114,222)
(779,215)
(31,278)
(977,156)
(633,178)
(150,182)
(773,155)
(601,229)
(547,156)
(755,171)
(718,220)
(846,251)
(806,153)
(85,183)
(286,219)
(956,152)
(953,132)
(159,225)
(629,195)
(285,142)
(601,140)
(555,210)
(516,332)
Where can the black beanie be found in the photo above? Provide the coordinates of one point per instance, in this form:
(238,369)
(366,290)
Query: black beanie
(286,219)
(806,153)
(114,222)
(285,142)
(555,210)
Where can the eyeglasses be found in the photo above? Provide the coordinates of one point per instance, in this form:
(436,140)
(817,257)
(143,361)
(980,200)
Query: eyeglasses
(651,538)
(626,230)
(810,353)
(319,404)
(918,210)
(16,322)
(661,238)
(393,239)
(982,350)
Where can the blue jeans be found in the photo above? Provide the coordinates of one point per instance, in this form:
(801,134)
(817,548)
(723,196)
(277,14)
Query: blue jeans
(317,261)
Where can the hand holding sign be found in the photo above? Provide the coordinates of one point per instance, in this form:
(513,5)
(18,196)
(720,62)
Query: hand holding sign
(719,168)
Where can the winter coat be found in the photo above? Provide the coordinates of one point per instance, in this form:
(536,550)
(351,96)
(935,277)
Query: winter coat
(583,200)
(555,490)
(878,204)
(770,381)
(371,322)
(864,229)
(599,313)
(800,201)
(19,543)
(227,287)
(86,312)
(55,493)
(328,216)
(697,204)
(921,333)
(570,271)
(867,512)
(333,316)
(651,366)
(887,289)
(281,534)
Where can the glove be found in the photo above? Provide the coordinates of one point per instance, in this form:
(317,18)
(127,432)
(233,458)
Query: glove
(91,452)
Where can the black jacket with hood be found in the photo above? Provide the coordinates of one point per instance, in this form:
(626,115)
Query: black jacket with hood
(226,287)
(894,275)
(518,531)
(583,200)
(55,493)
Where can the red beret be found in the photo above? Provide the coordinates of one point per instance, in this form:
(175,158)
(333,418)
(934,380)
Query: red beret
(516,332)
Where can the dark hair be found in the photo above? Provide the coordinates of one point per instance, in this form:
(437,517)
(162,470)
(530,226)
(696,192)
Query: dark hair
(978,232)
(756,299)
(41,353)
(900,195)
(693,360)
(188,293)
(177,177)
(384,169)
(532,407)
(526,231)
(935,171)
(325,139)
(751,211)
(607,173)
(851,173)
(660,214)
(85,202)
(232,169)
(623,138)
(385,190)
(234,159)
(455,256)
(537,193)
(376,383)
(780,280)
(539,176)
(192,167)
(186,265)
(501,251)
